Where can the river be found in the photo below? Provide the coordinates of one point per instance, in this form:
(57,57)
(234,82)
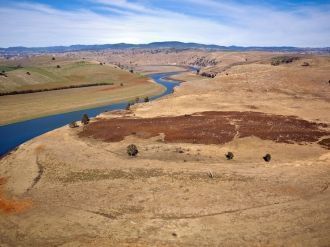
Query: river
(12,135)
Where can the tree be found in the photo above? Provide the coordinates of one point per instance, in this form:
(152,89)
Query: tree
(132,150)
(146,99)
(128,106)
(197,71)
(229,156)
(267,157)
(85,119)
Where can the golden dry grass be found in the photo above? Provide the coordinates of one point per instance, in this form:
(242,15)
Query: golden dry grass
(15,108)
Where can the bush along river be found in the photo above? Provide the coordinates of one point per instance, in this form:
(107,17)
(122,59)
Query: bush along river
(12,135)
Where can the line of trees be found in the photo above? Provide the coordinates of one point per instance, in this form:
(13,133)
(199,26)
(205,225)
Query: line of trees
(53,89)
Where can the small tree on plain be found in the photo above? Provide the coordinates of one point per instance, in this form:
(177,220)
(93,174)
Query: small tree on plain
(85,119)
(132,150)
(267,157)
(229,156)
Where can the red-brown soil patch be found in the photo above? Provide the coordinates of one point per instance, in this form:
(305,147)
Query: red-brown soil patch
(210,128)
(9,205)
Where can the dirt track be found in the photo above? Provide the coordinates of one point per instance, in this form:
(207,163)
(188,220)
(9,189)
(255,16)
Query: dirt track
(211,128)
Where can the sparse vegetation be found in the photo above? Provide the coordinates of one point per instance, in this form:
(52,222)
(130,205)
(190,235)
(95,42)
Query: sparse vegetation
(53,89)
(85,119)
(128,107)
(267,157)
(73,125)
(132,150)
(282,60)
(229,156)
(3,74)
(209,74)
(210,174)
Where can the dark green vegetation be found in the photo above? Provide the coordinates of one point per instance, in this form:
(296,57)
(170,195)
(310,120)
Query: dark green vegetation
(53,89)
(283,60)
(267,157)
(229,156)
(132,150)
(85,119)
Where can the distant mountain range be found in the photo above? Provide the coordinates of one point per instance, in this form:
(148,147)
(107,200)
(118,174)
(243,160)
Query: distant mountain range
(154,45)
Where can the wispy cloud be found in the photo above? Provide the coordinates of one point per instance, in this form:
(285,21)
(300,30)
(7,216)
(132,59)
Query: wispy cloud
(207,21)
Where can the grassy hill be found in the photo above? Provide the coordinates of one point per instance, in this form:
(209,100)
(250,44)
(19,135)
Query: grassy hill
(45,73)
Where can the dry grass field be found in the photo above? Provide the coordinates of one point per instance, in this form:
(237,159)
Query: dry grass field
(180,190)
(44,74)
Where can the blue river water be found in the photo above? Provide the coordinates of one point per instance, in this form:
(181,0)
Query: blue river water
(12,135)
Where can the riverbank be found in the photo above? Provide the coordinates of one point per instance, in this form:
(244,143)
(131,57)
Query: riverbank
(79,187)
(16,133)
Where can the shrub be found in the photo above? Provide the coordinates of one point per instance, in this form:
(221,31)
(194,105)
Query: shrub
(305,64)
(28,73)
(128,106)
(137,100)
(229,156)
(53,58)
(85,119)
(267,157)
(73,125)
(146,99)
(121,84)
(132,150)
(131,70)
(58,66)
(282,59)
(101,63)
(197,71)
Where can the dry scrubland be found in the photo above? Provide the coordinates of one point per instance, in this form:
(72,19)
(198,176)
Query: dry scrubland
(180,190)
(44,74)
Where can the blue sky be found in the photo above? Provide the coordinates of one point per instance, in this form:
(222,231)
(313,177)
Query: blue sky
(300,23)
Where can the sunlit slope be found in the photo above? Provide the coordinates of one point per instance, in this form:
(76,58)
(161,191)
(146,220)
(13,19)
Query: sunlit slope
(41,73)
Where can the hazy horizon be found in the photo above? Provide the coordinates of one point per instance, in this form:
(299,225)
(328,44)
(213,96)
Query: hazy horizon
(267,23)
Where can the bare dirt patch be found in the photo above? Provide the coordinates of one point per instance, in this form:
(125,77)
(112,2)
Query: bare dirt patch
(9,205)
(210,128)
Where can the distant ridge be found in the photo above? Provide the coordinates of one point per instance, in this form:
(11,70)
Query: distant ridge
(155,45)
